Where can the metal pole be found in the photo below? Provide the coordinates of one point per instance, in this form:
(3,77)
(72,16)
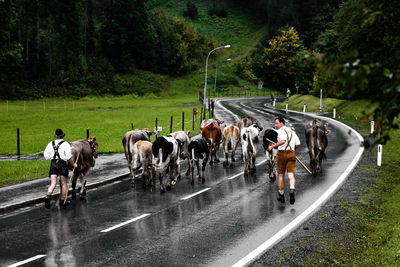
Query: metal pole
(205,78)
(320,101)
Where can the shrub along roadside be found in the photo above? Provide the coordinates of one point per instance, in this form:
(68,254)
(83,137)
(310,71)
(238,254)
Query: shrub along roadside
(375,218)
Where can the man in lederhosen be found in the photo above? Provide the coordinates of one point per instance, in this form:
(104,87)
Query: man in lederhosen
(59,152)
(288,141)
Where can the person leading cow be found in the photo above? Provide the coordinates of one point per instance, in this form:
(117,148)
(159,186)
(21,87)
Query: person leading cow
(59,152)
(288,141)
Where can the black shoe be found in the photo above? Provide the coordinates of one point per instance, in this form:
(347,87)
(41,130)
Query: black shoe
(281,198)
(66,204)
(47,202)
(291,195)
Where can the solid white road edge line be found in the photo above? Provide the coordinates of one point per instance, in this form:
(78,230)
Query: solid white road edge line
(125,223)
(310,210)
(195,194)
(27,260)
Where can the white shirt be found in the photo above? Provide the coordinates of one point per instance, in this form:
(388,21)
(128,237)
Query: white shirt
(294,141)
(64,150)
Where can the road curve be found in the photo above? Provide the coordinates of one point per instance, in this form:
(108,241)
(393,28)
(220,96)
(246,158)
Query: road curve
(228,220)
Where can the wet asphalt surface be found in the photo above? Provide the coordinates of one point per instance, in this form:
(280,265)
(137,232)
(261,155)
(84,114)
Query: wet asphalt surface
(232,217)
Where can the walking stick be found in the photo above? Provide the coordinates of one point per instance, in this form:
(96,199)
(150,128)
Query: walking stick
(301,163)
(69,180)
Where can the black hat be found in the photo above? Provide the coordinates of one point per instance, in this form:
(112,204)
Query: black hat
(59,134)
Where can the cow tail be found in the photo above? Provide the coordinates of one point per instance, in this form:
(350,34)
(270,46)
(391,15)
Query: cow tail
(129,148)
(160,155)
(248,138)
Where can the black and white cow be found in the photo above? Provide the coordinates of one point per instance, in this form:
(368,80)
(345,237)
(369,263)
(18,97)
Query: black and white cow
(198,154)
(166,155)
(249,139)
(270,138)
(316,137)
(184,138)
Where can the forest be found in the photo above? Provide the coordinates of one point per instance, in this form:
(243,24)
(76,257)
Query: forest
(84,47)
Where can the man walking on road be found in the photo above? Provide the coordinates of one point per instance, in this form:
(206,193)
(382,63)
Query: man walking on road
(288,141)
(59,152)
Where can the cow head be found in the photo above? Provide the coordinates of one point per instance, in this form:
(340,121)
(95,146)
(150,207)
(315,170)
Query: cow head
(93,145)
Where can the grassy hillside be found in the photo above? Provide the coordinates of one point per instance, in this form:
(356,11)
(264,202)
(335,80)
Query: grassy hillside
(237,29)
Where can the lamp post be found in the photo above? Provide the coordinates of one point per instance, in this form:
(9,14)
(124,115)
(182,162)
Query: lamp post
(216,71)
(205,79)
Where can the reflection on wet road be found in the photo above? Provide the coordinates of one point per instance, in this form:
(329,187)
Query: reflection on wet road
(212,224)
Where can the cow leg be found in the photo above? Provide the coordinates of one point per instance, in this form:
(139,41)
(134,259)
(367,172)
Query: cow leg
(160,178)
(216,148)
(245,160)
(225,159)
(188,170)
(233,154)
(134,169)
(82,193)
(144,174)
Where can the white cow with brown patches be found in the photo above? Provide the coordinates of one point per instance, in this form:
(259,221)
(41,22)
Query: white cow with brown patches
(230,140)
(142,156)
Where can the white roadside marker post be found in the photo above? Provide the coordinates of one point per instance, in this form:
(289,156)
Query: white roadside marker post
(379,163)
(372,127)
(304,108)
(334,113)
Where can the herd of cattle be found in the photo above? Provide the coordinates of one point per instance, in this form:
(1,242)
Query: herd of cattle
(163,156)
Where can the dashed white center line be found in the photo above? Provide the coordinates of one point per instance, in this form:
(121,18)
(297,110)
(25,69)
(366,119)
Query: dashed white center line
(241,173)
(195,194)
(125,223)
(27,260)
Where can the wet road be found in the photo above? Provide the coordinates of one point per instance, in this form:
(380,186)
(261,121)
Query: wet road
(212,224)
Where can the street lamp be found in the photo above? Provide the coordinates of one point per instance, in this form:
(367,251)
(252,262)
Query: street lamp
(205,80)
(216,71)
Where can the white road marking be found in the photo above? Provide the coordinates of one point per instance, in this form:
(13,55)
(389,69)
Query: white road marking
(125,223)
(310,210)
(241,173)
(195,194)
(27,260)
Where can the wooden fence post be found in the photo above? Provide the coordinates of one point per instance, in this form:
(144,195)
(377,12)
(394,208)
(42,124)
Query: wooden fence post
(87,133)
(156,127)
(170,124)
(183,121)
(18,145)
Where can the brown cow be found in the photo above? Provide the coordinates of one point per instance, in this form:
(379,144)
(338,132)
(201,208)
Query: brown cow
(212,134)
(316,136)
(230,139)
(84,153)
(129,139)
(248,121)
(209,121)
(142,155)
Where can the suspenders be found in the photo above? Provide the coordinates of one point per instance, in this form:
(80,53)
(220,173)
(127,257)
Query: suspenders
(289,139)
(56,147)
